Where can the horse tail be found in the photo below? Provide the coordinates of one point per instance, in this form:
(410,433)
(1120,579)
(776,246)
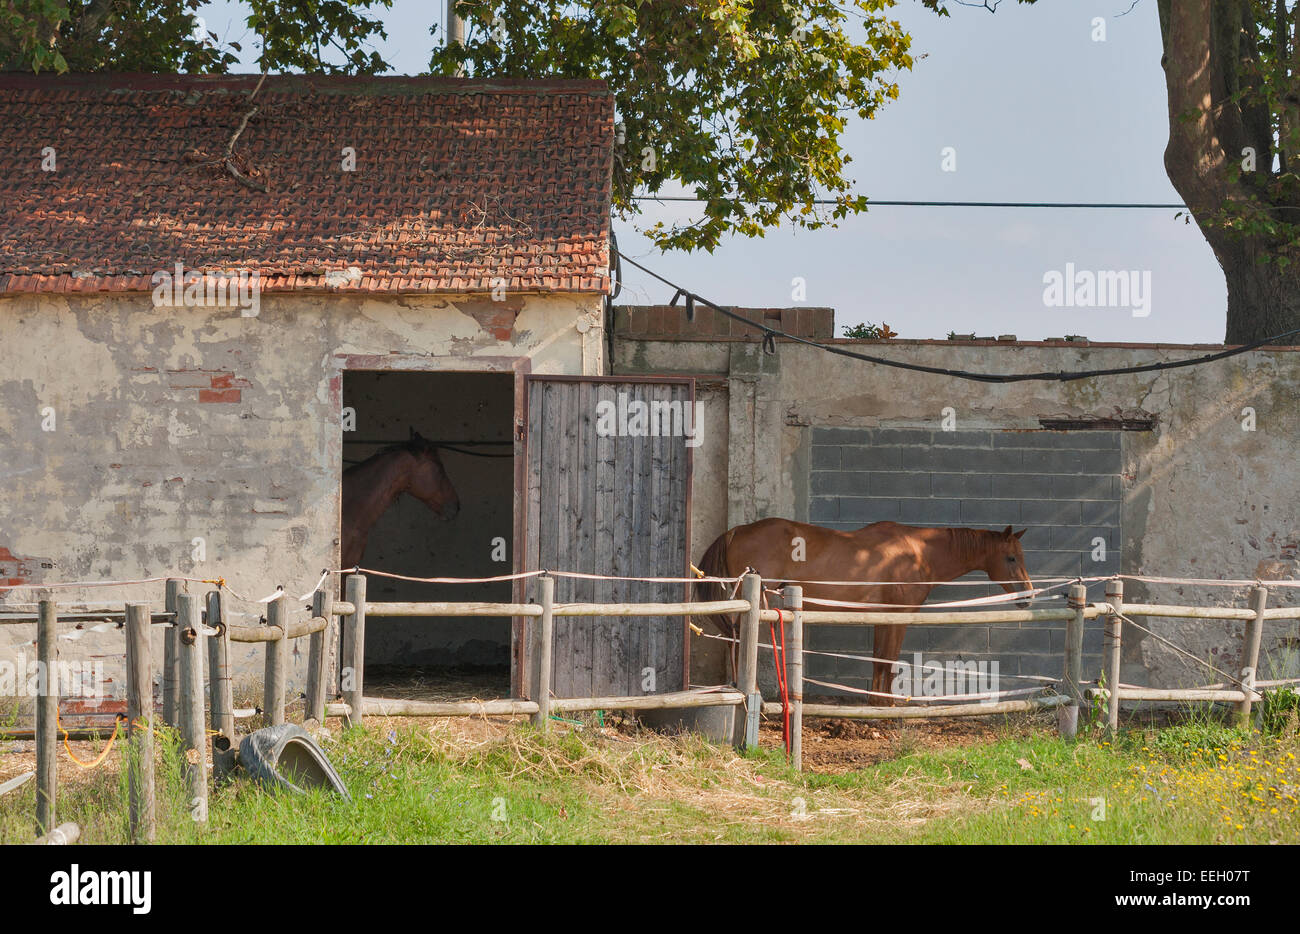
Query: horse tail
(714,564)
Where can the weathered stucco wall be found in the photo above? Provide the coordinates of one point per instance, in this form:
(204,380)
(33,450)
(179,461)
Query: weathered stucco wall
(1201,496)
(128,431)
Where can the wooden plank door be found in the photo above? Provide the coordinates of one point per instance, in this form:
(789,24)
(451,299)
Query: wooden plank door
(616,503)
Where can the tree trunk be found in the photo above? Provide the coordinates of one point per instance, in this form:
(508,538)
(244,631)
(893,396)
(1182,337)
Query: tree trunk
(1204,42)
(1263,297)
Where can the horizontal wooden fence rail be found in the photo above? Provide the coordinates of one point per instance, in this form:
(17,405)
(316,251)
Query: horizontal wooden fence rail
(450,609)
(457,610)
(270,633)
(671,700)
(1282,612)
(116,616)
(849,712)
(1177,694)
(1190,612)
(382,707)
(705,608)
(957,618)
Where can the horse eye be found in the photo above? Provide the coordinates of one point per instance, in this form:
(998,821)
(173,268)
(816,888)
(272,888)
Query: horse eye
(1011,558)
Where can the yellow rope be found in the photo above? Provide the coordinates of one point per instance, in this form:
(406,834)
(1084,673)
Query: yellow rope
(696,629)
(99,759)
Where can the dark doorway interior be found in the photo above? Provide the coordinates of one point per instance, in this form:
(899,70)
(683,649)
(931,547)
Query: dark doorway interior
(432,658)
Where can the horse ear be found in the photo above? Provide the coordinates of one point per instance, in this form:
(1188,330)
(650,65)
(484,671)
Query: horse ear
(1006,533)
(1021,532)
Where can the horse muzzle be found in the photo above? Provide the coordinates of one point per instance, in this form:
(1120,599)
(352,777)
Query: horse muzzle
(451,510)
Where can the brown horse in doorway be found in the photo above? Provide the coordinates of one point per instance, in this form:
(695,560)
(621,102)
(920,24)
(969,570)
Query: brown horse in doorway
(883,551)
(373,485)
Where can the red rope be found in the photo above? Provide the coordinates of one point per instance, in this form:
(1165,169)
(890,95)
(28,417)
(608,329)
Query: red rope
(778,661)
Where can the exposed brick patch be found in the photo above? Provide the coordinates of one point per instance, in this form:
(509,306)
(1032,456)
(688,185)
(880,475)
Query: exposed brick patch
(226,381)
(82,707)
(498,318)
(219,395)
(20,569)
(212,385)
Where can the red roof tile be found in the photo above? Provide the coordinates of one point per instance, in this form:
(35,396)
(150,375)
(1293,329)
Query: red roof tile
(457,182)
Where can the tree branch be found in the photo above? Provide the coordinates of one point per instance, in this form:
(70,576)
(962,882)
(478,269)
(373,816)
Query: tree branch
(228,159)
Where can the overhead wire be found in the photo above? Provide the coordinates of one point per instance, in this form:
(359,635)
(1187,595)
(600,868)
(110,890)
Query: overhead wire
(770,334)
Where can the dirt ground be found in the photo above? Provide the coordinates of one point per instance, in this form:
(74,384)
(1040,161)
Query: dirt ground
(845,745)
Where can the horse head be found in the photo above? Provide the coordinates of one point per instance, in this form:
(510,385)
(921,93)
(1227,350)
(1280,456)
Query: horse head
(1005,563)
(428,481)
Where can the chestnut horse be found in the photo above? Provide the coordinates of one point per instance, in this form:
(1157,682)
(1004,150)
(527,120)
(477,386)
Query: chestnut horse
(373,485)
(883,551)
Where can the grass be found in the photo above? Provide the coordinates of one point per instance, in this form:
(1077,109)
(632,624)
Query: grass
(1200,781)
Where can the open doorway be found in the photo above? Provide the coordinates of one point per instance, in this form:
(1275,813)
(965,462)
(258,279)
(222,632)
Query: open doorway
(469,417)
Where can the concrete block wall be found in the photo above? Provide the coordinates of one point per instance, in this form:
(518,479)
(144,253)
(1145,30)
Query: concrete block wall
(1063,487)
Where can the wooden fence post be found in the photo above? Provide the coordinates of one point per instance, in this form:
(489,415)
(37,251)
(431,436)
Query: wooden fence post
(170,685)
(1114,630)
(542,649)
(189,658)
(219,685)
(47,718)
(318,643)
(794,673)
(1067,717)
(277,662)
(139,721)
(352,664)
(1250,653)
(746,732)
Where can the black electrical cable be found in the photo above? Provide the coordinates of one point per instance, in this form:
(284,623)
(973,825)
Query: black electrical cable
(441,445)
(770,334)
(448,447)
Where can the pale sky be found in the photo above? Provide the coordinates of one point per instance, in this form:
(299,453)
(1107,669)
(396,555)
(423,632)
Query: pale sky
(1036,109)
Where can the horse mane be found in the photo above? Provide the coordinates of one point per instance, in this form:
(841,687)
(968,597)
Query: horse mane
(416,446)
(969,544)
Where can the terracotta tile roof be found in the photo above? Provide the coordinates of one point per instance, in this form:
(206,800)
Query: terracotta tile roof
(457,182)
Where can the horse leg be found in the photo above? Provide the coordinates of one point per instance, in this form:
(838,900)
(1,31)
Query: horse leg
(888,643)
